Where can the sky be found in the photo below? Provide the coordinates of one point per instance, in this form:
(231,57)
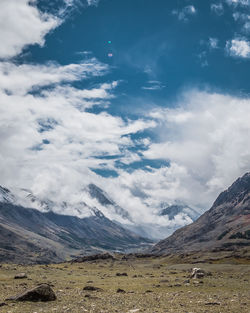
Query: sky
(148,99)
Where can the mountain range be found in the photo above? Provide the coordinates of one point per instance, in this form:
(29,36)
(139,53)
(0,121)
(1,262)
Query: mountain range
(29,235)
(41,235)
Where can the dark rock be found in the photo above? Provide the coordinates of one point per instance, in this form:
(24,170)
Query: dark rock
(87,258)
(3,304)
(121,274)
(41,292)
(119,290)
(92,288)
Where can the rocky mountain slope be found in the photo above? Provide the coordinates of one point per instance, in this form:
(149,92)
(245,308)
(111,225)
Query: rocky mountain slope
(28,235)
(226,226)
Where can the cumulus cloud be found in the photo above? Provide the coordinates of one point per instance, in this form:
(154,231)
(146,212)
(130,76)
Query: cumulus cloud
(20,79)
(213,43)
(205,144)
(46,133)
(217,8)
(22,24)
(238,48)
(238,2)
(93,2)
(205,140)
(244,20)
(185,13)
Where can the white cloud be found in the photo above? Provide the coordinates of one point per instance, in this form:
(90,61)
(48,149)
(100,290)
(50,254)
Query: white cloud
(244,20)
(22,24)
(20,79)
(206,142)
(213,43)
(238,48)
(217,8)
(205,139)
(47,135)
(153,85)
(93,2)
(184,14)
(238,2)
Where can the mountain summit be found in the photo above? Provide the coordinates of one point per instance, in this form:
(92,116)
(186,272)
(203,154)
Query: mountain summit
(226,226)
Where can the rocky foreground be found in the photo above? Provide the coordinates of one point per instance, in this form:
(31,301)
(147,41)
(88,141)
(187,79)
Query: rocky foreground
(126,284)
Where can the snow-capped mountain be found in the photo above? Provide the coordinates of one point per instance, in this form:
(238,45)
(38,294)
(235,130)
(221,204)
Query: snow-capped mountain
(172,211)
(95,202)
(6,195)
(103,198)
(57,231)
(79,209)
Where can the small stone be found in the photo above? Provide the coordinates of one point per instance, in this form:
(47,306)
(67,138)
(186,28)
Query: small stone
(212,303)
(20,276)
(121,274)
(92,288)
(119,290)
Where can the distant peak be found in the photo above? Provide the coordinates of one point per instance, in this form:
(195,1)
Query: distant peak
(236,191)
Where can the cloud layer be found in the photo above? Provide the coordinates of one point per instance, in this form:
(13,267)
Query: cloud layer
(21,24)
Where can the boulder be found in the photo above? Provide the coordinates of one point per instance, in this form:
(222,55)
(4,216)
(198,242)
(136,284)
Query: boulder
(20,276)
(197,273)
(41,292)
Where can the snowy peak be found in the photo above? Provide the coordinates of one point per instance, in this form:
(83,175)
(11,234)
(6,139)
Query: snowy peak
(103,198)
(26,198)
(34,202)
(6,196)
(176,209)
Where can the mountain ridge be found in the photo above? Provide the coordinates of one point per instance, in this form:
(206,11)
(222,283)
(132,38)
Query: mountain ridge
(224,227)
(28,235)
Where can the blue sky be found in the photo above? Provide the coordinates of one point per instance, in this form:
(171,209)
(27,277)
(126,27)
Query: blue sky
(165,119)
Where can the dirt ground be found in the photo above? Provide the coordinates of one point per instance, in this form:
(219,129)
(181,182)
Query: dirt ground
(148,285)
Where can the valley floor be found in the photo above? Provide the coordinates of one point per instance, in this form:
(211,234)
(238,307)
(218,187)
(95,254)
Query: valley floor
(151,285)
